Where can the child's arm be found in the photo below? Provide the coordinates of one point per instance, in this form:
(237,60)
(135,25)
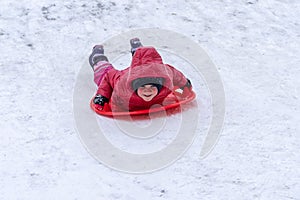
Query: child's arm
(179,79)
(105,88)
(104,92)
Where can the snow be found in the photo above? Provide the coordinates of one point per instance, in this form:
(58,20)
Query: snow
(255,46)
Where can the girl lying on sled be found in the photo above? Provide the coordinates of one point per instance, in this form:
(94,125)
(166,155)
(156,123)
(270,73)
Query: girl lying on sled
(146,82)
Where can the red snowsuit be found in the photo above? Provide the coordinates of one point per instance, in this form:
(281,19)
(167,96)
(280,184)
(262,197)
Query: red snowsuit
(116,85)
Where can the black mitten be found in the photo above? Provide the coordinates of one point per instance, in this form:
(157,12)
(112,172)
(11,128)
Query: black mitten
(188,84)
(100,100)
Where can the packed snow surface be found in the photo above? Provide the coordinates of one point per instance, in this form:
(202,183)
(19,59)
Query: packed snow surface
(255,46)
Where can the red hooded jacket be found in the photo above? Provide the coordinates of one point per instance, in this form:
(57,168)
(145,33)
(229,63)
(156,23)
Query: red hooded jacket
(116,85)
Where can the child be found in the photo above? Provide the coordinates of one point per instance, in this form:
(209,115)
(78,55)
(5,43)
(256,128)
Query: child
(146,82)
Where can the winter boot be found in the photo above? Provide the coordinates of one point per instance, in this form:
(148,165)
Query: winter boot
(135,44)
(97,55)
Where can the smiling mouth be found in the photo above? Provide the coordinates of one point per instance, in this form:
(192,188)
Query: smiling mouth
(149,95)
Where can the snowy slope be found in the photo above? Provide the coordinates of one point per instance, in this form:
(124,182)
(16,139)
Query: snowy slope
(254,44)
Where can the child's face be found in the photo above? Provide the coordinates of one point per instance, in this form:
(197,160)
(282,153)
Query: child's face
(147,92)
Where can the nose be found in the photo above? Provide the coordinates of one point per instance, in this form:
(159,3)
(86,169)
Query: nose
(148,88)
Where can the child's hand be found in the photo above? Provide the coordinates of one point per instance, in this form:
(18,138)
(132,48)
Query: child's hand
(100,100)
(185,90)
(187,85)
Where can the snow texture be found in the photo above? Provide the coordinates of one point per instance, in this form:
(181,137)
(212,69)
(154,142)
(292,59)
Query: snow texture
(255,45)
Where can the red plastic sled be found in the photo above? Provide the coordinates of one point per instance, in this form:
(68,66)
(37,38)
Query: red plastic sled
(180,101)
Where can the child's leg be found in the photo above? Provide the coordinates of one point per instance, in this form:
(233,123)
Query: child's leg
(135,43)
(100,69)
(99,63)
